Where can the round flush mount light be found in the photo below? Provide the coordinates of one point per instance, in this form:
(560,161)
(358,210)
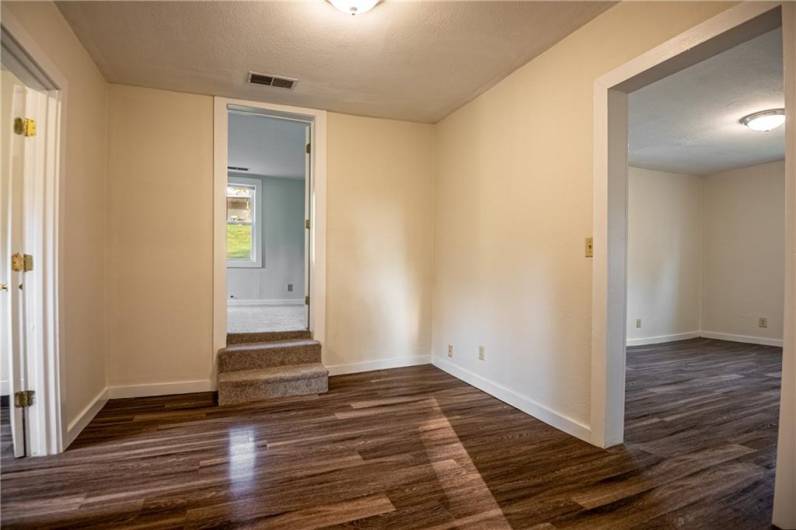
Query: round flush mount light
(765,120)
(354,7)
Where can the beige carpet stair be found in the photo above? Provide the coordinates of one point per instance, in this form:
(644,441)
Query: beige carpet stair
(259,366)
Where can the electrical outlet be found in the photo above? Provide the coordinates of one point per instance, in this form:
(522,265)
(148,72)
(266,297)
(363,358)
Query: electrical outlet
(290,287)
(638,322)
(762,322)
(481,353)
(450,350)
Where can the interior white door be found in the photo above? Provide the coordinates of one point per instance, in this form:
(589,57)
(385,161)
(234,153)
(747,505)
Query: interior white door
(12,308)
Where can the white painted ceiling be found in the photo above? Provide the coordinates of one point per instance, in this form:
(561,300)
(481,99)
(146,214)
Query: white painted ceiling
(265,146)
(688,122)
(408,60)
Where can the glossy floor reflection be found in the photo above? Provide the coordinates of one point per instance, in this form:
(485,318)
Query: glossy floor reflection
(416,448)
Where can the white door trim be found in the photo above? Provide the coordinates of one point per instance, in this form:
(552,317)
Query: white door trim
(317,243)
(45,370)
(610,225)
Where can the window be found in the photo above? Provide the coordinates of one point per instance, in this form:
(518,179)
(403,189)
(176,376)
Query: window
(243,223)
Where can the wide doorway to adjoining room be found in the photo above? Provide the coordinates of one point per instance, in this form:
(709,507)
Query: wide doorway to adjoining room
(267,223)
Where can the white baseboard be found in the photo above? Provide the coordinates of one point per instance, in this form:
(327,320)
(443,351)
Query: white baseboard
(4,388)
(381,364)
(84,417)
(161,389)
(517,400)
(749,339)
(643,341)
(237,302)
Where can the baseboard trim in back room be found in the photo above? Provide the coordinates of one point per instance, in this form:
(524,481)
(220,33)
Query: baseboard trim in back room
(516,400)
(661,339)
(239,302)
(379,364)
(749,339)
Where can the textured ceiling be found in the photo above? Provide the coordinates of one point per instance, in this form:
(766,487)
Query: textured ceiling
(688,122)
(408,60)
(265,146)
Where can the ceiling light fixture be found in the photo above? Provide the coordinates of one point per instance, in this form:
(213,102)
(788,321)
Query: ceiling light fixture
(354,7)
(765,120)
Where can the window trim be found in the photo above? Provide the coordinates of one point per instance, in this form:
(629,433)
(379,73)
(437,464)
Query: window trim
(257,225)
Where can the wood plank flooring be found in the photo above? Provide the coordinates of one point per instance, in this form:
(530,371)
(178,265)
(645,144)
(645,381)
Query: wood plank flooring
(416,448)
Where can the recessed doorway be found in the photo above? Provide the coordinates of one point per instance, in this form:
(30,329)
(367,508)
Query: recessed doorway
(269,219)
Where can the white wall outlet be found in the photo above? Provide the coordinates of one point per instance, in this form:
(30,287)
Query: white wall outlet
(762,322)
(450,350)
(638,322)
(481,353)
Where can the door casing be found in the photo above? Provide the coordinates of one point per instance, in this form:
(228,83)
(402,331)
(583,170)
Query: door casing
(316,206)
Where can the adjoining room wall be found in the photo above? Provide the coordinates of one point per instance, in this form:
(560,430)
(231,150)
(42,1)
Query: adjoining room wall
(282,240)
(513,206)
(379,243)
(744,252)
(84,228)
(664,265)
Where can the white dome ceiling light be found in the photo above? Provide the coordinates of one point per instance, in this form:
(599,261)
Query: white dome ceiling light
(354,7)
(765,120)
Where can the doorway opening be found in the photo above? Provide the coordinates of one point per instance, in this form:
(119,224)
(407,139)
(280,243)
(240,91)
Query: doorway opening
(705,272)
(267,223)
(736,25)
(276,153)
(30,117)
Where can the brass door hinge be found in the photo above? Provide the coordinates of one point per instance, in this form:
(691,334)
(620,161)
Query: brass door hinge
(24,398)
(307,300)
(21,262)
(309,148)
(25,126)
(589,247)
(307,224)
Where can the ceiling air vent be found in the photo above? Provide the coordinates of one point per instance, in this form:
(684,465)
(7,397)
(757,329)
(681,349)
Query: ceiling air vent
(271,80)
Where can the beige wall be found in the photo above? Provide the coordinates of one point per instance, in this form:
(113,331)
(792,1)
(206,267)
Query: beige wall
(664,254)
(514,203)
(744,251)
(84,225)
(379,240)
(160,244)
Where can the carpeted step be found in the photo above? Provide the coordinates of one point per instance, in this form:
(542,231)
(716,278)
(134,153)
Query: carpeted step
(267,336)
(249,356)
(244,386)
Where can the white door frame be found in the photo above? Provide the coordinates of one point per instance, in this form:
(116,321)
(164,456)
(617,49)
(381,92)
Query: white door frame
(45,374)
(317,211)
(609,297)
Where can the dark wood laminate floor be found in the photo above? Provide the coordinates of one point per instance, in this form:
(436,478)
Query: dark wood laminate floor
(416,448)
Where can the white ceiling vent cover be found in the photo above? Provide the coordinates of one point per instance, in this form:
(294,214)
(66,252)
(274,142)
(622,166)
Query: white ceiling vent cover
(272,80)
